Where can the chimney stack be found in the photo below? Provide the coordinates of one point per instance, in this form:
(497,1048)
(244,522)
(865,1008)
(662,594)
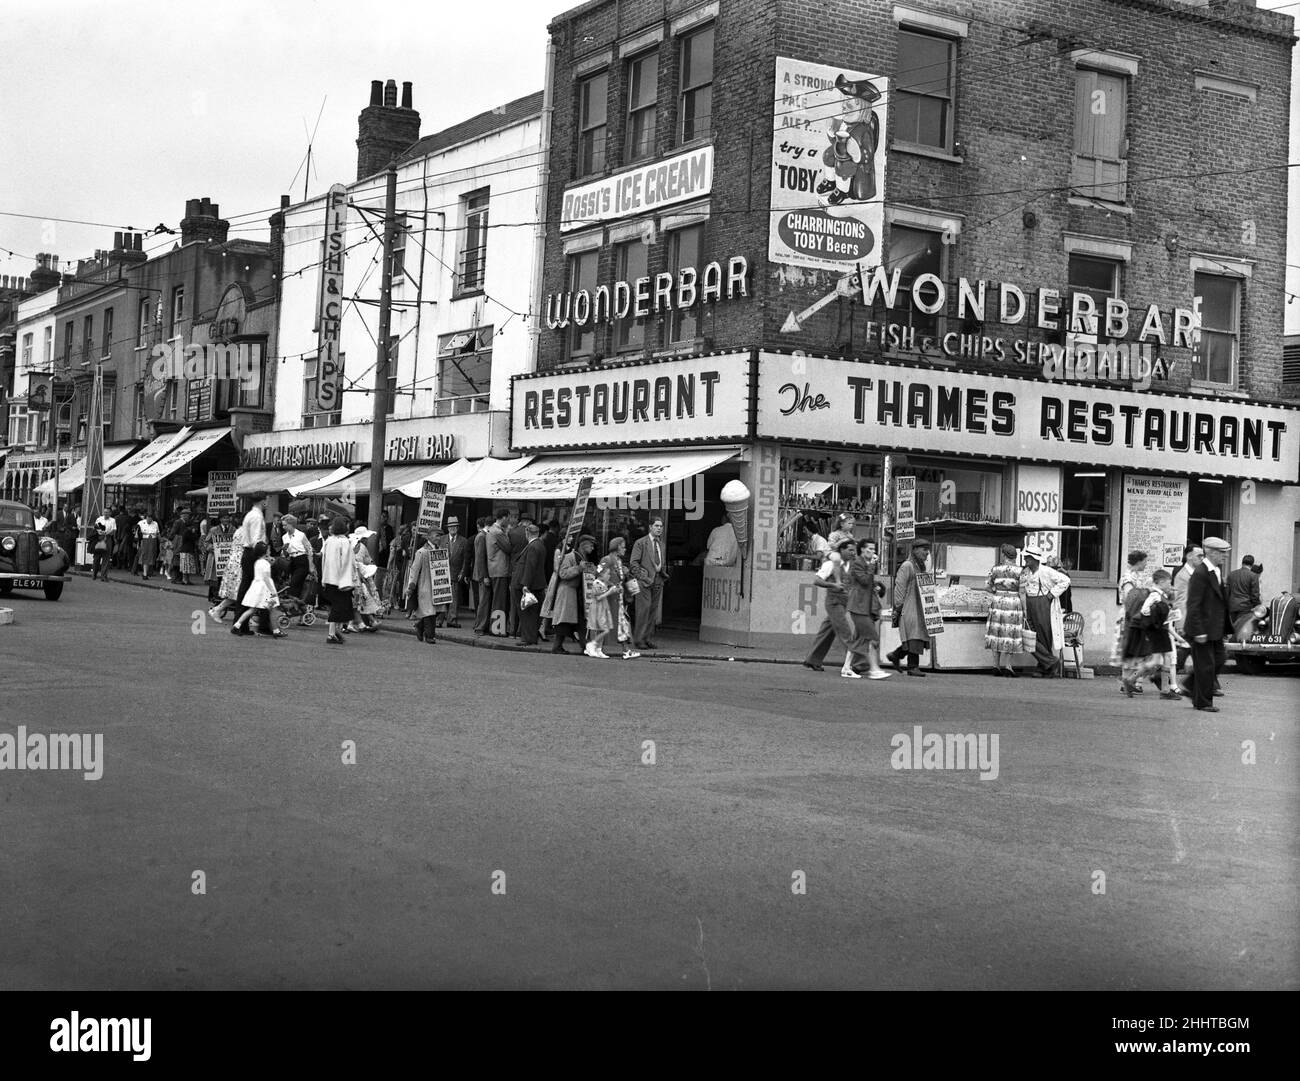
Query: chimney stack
(127,248)
(202,222)
(385,129)
(277,242)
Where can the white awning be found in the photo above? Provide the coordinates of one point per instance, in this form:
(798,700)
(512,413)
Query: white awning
(555,478)
(333,478)
(70,480)
(269,481)
(180,455)
(463,477)
(145,458)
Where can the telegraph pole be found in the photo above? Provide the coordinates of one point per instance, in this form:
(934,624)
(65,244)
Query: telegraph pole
(379,434)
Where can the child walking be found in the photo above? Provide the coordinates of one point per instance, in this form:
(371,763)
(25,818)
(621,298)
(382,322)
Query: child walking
(260,598)
(1146,638)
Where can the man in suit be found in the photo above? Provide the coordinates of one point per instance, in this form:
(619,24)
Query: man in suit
(1243,592)
(482,580)
(648,566)
(498,568)
(532,576)
(458,556)
(1207,622)
(519,540)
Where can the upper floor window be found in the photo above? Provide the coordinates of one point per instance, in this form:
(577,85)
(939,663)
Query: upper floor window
(632,262)
(146,321)
(27,350)
(593,127)
(311,418)
(1215,357)
(473,254)
(582,275)
(925,89)
(464,372)
(69,328)
(913,252)
(685,249)
(390,379)
(695,103)
(1100,143)
(1099,279)
(49,346)
(106,348)
(642,103)
(87,338)
(178,310)
(399,251)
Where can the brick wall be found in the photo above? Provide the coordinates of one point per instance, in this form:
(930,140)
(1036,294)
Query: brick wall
(1013,126)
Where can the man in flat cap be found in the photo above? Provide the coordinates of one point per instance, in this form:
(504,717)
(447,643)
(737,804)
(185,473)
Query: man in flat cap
(909,616)
(1207,622)
(1041,588)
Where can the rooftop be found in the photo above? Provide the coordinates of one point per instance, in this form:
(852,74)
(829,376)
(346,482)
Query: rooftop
(504,116)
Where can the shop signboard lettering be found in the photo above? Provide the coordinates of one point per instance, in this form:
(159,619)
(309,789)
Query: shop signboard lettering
(914,409)
(722,594)
(828,166)
(1038,504)
(642,189)
(579,514)
(297,455)
(329,306)
(420,448)
(1155,518)
(440,572)
(221,491)
(904,508)
(221,551)
(676,401)
(433,502)
(930,609)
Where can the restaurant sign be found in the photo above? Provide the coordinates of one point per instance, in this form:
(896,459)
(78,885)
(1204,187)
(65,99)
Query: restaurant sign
(695,399)
(909,408)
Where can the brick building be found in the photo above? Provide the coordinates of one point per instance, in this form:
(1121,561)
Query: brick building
(1029,254)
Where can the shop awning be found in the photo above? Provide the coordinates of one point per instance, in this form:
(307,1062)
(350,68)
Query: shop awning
(463,475)
(270,481)
(396,478)
(556,478)
(70,480)
(178,457)
(330,484)
(153,452)
(985,534)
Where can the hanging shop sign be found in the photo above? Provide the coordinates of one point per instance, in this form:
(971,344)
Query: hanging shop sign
(906,408)
(643,297)
(1155,518)
(695,399)
(828,166)
(642,189)
(329,305)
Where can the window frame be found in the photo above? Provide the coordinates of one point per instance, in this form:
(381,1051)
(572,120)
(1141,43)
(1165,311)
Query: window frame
(1117,284)
(177,309)
(949,108)
(450,404)
(650,135)
(629,322)
(87,337)
(29,344)
(311,418)
(684,91)
(145,327)
(478,215)
(106,334)
(677,317)
(48,346)
(905,313)
(1109,517)
(1237,281)
(586,131)
(1086,184)
(1222,526)
(69,332)
(574,262)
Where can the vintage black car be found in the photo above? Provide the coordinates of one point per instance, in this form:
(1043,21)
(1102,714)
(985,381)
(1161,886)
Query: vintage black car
(29,560)
(1271,637)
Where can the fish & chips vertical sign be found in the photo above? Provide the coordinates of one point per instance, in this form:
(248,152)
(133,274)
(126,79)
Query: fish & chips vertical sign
(828,166)
(329,308)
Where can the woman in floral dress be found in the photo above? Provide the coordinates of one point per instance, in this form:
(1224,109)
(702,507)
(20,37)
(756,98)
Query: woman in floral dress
(1004,634)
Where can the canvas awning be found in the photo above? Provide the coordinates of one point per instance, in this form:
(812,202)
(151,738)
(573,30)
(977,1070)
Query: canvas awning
(269,481)
(396,478)
(179,456)
(985,534)
(556,478)
(71,479)
(471,479)
(332,483)
(122,473)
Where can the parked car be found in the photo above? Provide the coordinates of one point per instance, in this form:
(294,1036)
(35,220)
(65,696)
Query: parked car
(29,560)
(1273,636)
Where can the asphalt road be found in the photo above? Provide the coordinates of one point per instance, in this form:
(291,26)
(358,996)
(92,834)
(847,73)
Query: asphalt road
(224,755)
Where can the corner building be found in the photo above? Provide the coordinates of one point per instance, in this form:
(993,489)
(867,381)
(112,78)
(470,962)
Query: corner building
(1029,255)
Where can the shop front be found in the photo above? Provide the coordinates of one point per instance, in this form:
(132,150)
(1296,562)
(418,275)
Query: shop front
(23,472)
(1091,472)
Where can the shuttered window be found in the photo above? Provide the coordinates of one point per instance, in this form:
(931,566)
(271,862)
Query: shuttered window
(1100,143)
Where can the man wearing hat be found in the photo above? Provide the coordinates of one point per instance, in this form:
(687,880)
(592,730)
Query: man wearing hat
(1243,593)
(1207,622)
(1041,588)
(909,616)
(458,557)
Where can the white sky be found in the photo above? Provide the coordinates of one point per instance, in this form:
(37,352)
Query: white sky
(117,111)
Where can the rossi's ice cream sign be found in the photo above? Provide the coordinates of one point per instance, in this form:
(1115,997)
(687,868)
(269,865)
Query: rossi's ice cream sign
(828,166)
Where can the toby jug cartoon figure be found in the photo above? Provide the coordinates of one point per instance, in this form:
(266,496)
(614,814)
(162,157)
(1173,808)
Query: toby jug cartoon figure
(849,162)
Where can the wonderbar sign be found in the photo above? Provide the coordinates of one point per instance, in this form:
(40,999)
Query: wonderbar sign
(674,401)
(903,408)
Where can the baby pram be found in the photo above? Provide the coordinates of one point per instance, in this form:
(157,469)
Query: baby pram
(290,607)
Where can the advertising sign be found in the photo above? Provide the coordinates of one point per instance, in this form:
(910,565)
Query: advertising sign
(1155,518)
(433,502)
(929,603)
(440,571)
(639,190)
(329,308)
(221,492)
(828,166)
(905,508)
(860,403)
(579,514)
(40,391)
(222,551)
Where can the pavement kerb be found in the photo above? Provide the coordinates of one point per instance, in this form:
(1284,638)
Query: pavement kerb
(403,627)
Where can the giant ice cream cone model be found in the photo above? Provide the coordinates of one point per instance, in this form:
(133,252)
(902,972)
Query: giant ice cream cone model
(735,498)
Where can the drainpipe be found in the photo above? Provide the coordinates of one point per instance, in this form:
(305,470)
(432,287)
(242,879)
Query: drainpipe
(543,192)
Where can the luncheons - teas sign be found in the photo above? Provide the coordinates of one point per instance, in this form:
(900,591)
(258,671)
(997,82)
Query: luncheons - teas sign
(643,189)
(884,405)
(828,166)
(696,399)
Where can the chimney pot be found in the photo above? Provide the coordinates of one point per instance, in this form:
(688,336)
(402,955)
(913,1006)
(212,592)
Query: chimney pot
(284,202)
(406,96)
(376,92)
(390,94)
(117,241)
(139,242)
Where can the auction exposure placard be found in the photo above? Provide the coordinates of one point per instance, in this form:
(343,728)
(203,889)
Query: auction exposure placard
(1155,518)
(433,499)
(674,401)
(828,166)
(921,409)
(221,491)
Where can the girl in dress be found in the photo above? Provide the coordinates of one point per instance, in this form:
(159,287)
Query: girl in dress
(148,554)
(260,598)
(365,597)
(1134,576)
(1147,643)
(1004,634)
